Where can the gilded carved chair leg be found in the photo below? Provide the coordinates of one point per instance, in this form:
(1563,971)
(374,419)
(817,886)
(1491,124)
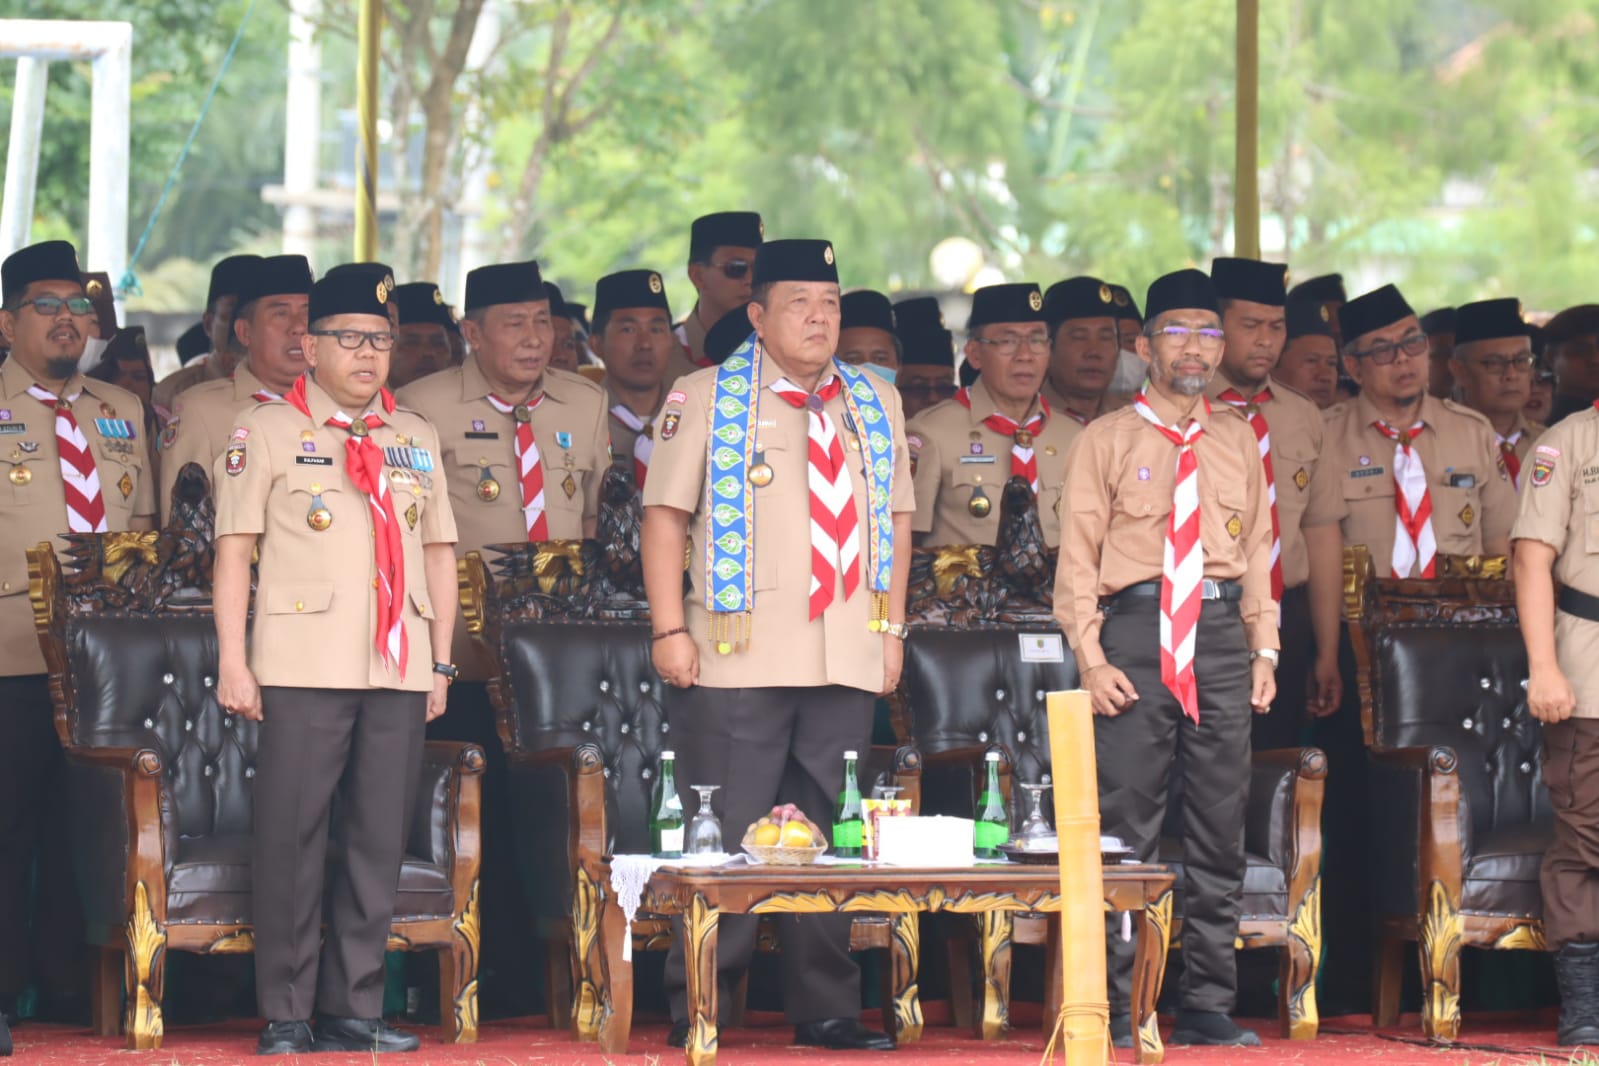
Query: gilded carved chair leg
(1441,936)
(1149,973)
(905,953)
(587,898)
(1297,1016)
(996,929)
(700,933)
(145,974)
(458,965)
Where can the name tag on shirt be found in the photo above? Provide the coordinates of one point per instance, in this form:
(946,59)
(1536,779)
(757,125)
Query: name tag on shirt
(980,460)
(314,460)
(484,435)
(13,427)
(1368,471)
(1042,647)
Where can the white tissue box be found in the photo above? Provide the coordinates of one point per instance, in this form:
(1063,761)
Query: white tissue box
(936,841)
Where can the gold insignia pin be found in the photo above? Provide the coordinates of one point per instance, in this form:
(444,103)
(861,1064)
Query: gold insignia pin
(1326,316)
(21,475)
(357,429)
(1235,526)
(410,516)
(655,284)
(522,413)
(438,297)
(1121,299)
(827,255)
(979,506)
(569,487)
(94,288)
(1023,439)
(307,435)
(1049,449)
(318,517)
(1467,515)
(1035,300)
(760,475)
(1104,294)
(1301,478)
(488,490)
(125,486)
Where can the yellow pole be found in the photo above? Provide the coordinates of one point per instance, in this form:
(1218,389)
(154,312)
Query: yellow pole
(1246,184)
(1083,1030)
(369,26)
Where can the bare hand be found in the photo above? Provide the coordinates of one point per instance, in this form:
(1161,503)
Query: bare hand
(438,697)
(1109,690)
(893,663)
(677,660)
(1262,685)
(1549,695)
(238,693)
(1326,687)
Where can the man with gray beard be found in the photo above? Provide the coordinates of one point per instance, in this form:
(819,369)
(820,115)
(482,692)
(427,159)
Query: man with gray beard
(1166,529)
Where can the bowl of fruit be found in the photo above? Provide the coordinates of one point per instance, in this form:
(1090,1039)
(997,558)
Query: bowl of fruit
(785,837)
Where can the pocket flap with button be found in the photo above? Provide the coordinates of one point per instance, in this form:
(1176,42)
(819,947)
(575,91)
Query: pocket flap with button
(306,597)
(1141,498)
(1370,486)
(312,480)
(419,600)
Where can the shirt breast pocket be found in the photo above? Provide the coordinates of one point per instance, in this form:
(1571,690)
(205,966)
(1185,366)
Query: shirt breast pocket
(1291,472)
(29,477)
(318,490)
(564,474)
(1141,500)
(1456,517)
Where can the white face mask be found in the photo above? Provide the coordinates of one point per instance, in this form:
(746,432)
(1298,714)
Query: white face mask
(93,349)
(1130,371)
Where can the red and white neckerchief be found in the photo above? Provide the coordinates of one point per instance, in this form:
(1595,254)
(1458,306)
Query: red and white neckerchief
(1023,462)
(835,540)
(1182,564)
(1415,550)
(263,395)
(363,462)
(643,443)
(1257,422)
(1076,416)
(1507,449)
(80,481)
(529,471)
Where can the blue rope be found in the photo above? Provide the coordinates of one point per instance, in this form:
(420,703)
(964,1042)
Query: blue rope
(129,285)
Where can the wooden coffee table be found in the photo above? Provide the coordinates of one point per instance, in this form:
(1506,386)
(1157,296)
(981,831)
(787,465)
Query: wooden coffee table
(992,894)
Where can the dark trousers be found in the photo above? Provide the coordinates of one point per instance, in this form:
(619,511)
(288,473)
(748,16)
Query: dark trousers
(1347,902)
(1285,726)
(1570,874)
(363,746)
(766,746)
(35,841)
(1138,752)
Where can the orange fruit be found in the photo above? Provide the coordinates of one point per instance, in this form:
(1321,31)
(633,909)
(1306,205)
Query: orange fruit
(797,835)
(767,835)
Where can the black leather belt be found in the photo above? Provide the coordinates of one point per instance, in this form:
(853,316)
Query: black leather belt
(1578,603)
(1226,591)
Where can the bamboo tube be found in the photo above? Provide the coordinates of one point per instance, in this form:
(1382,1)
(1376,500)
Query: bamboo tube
(1083,1029)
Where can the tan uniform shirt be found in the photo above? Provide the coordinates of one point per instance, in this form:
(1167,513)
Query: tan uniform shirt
(200,426)
(623,436)
(690,353)
(315,606)
(478,445)
(784,648)
(955,458)
(1560,506)
(1297,431)
(1073,408)
(165,395)
(1530,432)
(1472,516)
(1120,477)
(37,508)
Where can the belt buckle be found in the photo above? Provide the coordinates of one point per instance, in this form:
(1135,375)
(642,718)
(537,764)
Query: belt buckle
(1209,589)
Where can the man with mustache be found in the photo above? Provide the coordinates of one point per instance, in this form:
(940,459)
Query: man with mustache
(269,321)
(1164,564)
(75,453)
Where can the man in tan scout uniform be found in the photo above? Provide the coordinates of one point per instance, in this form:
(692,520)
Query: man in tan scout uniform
(424,331)
(51,418)
(1492,367)
(343,494)
(1084,342)
(525,446)
(269,324)
(1252,295)
(964,450)
(1147,487)
(633,337)
(721,256)
(1555,542)
(228,279)
(768,697)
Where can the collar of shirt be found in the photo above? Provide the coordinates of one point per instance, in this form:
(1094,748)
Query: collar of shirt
(1219,385)
(474,386)
(612,401)
(1430,411)
(1169,411)
(983,404)
(15,380)
(694,330)
(246,384)
(324,407)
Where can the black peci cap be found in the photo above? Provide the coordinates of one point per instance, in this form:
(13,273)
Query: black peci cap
(629,288)
(1015,302)
(1079,297)
(1438,320)
(866,308)
(193,343)
(1181,290)
(228,277)
(923,338)
(1326,287)
(1488,320)
(1375,310)
(1126,306)
(505,283)
(740,229)
(795,260)
(275,275)
(421,303)
(1250,279)
(45,261)
(1307,318)
(352,292)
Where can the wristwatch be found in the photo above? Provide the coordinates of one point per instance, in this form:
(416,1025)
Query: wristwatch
(1269,654)
(894,629)
(449,670)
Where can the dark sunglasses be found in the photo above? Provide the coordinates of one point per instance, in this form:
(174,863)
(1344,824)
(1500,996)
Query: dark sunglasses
(734,269)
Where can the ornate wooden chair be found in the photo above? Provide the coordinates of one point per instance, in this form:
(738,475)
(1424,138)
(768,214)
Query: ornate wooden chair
(580,713)
(968,686)
(1455,771)
(161,776)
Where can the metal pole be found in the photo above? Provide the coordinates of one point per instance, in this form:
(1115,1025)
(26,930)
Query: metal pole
(368,27)
(1246,182)
(22,153)
(303,122)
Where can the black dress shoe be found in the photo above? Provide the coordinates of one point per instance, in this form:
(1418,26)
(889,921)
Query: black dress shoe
(361,1034)
(678,1036)
(1211,1028)
(1121,1030)
(841,1034)
(282,1038)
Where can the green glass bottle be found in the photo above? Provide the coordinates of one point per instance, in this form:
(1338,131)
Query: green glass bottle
(850,820)
(666,812)
(992,826)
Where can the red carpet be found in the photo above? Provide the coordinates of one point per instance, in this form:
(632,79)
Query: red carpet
(766,1041)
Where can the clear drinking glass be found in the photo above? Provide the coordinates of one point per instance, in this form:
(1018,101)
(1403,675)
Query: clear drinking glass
(704,829)
(1036,827)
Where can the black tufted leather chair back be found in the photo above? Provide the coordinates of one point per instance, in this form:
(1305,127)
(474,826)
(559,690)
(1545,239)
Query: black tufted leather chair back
(1464,687)
(592,683)
(142,684)
(970,688)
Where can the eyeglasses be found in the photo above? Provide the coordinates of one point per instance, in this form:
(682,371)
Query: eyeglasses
(733,269)
(1209,338)
(1010,342)
(50,306)
(941,390)
(1500,365)
(1414,346)
(352,339)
